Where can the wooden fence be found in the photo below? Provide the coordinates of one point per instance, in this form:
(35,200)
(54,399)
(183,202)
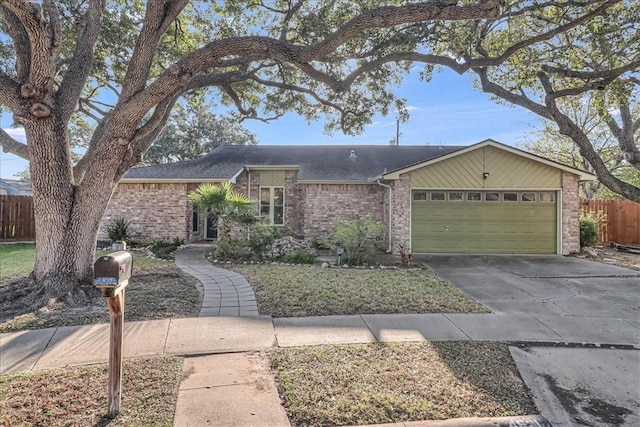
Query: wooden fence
(622,223)
(18,220)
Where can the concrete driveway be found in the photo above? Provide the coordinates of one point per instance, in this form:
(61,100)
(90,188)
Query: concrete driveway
(571,386)
(543,284)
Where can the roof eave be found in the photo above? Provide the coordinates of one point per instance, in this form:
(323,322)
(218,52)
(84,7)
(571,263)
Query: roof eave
(582,175)
(171,180)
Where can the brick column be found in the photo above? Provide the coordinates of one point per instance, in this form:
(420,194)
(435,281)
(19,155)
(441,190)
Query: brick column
(570,214)
(401,225)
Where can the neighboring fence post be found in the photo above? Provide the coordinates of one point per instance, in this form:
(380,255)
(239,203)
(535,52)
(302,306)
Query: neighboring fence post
(17,219)
(622,223)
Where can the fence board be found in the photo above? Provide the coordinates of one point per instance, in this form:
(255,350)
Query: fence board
(622,224)
(17,218)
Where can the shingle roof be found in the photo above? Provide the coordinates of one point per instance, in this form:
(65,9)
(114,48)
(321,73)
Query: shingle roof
(316,162)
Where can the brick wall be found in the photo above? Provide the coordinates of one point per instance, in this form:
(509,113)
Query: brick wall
(322,204)
(155,211)
(570,214)
(401,226)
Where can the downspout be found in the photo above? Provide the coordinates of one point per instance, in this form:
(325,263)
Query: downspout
(390,249)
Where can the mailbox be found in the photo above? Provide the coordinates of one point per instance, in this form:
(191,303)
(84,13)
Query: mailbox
(111,272)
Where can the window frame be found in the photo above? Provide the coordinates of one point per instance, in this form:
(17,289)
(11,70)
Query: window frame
(271,204)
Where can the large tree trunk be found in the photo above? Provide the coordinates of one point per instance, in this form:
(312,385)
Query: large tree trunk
(67,217)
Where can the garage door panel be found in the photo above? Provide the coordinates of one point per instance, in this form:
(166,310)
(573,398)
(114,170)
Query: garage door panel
(483,227)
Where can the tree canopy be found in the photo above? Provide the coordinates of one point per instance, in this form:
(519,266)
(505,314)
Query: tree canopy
(119,67)
(194,130)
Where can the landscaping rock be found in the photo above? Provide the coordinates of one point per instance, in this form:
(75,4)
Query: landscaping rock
(590,252)
(325,265)
(287,245)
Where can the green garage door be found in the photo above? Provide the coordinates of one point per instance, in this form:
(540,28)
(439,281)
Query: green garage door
(491,222)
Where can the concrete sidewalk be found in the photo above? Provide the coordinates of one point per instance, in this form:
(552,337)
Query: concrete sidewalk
(74,345)
(227,388)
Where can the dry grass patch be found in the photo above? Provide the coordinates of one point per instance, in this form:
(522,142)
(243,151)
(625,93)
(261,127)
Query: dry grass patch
(78,396)
(157,290)
(385,383)
(295,291)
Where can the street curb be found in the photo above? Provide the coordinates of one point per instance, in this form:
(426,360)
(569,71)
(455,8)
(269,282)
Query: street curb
(517,421)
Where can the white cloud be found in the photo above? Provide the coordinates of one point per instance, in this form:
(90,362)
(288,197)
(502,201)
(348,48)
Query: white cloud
(17,133)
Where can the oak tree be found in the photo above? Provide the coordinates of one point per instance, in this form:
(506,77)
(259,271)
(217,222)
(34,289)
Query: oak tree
(124,65)
(549,56)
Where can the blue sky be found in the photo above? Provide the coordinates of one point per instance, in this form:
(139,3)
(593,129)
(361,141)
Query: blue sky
(445,111)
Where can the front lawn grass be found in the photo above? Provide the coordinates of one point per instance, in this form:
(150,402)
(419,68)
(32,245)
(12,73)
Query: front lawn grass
(157,290)
(16,260)
(295,291)
(385,383)
(77,396)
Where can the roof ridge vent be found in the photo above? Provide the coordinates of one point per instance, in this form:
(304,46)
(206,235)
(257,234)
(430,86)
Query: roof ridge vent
(353,154)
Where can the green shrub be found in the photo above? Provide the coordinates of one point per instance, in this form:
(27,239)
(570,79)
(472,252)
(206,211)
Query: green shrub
(229,250)
(588,232)
(119,230)
(163,250)
(261,236)
(360,239)
(299,257)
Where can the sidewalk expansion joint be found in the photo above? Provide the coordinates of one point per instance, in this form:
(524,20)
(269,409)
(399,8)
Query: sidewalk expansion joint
(45,348)
(209,387)
(459,328)
(546,326)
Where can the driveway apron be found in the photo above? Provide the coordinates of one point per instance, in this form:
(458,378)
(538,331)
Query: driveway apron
(543,285)
(225,293)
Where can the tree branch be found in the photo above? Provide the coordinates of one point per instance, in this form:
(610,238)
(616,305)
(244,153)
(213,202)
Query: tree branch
(490,87)
(20,40)
(147,134)
(10,145)
(589,75)
(179,74)
(626,140)
(82,61)
(159,15)
(55,28)
(568,128)
(285,22)
(42,54)
(9,92)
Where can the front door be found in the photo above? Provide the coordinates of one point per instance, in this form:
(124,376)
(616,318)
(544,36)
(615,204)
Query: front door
(212,227)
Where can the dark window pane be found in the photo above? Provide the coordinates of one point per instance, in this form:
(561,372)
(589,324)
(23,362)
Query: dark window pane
(194,221)
(437,195)
(278,196)
(492,197)
(456,196)
(278,215)
(510,197)
(419,195)
(528,197)
(474,197)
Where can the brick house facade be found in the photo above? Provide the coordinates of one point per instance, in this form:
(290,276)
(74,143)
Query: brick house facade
(342,184)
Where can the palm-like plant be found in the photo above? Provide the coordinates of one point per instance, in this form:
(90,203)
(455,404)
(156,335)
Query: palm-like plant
(224,203)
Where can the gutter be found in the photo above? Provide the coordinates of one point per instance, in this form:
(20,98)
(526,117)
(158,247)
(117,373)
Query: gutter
(390,249)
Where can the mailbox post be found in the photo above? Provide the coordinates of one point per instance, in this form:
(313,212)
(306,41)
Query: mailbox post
(111,275)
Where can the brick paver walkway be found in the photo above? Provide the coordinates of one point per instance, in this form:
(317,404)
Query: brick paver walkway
(226,293)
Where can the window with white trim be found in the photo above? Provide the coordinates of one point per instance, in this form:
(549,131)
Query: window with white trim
(272,204)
